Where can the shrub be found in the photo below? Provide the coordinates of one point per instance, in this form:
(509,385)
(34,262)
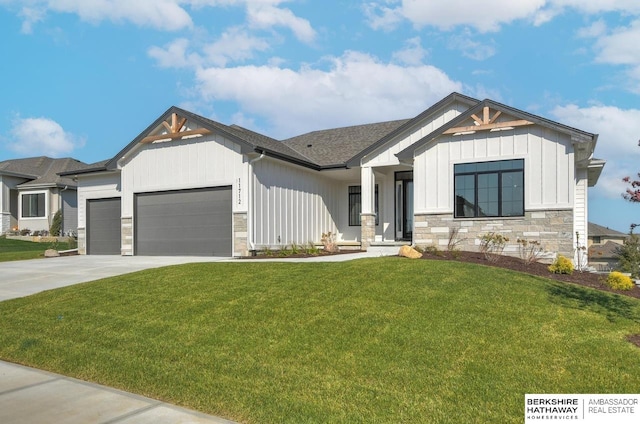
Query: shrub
(492,245)
(56,224)
(618,281)
(628,255)
(561,265)
(311,249)
(329,242)
(529,250)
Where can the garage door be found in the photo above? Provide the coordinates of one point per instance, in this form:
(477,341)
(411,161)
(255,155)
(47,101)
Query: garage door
(186,222)
(103,226)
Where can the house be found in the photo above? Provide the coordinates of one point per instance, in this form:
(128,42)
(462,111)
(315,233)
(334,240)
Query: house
(603,245)
(31,192)
(188,185)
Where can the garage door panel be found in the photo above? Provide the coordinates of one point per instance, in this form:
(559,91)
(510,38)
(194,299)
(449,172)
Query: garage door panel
(190,222)
(103,226)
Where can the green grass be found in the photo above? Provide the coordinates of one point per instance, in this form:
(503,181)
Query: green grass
(374,340)
(15,250)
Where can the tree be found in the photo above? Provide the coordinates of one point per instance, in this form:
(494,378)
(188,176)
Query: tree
(628,255)
(632,193)
(56,224)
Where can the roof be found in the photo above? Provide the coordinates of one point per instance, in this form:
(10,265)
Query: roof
(336,146)
(609,250)
(41,171)
(595,230)
(342,147)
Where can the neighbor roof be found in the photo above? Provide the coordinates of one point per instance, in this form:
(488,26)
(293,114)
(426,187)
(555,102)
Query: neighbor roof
(609,250)
(596,230)
(41,171)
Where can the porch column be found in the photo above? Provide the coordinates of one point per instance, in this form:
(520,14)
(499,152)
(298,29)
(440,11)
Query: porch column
(368,212)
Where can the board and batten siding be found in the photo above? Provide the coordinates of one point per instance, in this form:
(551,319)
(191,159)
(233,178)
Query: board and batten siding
(95,186)
(386,155)
(549,166)
(580,215)
(291,204)
(199,162)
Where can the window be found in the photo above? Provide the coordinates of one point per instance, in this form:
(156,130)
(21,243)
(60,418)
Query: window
(487,189)
(33,205)
(355,205)
(597,240)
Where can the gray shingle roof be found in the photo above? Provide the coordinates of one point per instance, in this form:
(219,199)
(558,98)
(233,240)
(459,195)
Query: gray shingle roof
(609,250)
(337,145)
(600,231)
(41,171)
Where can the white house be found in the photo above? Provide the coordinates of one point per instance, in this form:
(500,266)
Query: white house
(188,185)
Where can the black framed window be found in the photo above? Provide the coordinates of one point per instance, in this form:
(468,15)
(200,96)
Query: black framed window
(355,205)
(486,189)
(33,205)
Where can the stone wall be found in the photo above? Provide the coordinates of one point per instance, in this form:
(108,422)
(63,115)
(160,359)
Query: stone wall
(552,228)
(126,236)
(240,246)
(5,222)
(367,229)
(82,241)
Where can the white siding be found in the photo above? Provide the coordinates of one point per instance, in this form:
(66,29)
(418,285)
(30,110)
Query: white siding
(386,154)
(208,161)
(549,166)
(292,204)
(580,217)
(101,186)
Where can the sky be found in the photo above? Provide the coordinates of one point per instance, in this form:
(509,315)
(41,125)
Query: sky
(82,78)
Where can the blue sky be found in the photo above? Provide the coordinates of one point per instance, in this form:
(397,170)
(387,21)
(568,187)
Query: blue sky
(82,78)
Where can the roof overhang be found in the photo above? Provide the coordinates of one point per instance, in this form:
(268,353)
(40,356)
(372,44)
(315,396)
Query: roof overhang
(594,169)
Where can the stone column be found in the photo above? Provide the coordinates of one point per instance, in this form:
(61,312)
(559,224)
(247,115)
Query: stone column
(368,212)
(82,241)
(126,234)
(240,234)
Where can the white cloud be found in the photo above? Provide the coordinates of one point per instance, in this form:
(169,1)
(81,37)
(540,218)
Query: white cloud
(41,136)
(266,16)
(476,50)
(619,131)
(357,88)
(174,55)
(486,16)
(30,16)
(234,45)
(412,54)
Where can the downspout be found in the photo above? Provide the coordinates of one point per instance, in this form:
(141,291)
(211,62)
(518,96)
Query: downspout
(251,206)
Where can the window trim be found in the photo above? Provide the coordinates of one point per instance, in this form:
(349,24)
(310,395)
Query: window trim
(349,204)
(499,173)
(46,204)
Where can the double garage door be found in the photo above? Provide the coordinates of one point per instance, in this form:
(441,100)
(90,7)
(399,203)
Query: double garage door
(177,223)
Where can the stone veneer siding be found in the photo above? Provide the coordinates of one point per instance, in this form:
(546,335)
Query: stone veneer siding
(552,228)
(240,245)
(367,229)
(5,224)
(126,236)
(82,241)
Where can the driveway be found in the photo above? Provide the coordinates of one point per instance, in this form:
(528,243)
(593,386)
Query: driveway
(23,278)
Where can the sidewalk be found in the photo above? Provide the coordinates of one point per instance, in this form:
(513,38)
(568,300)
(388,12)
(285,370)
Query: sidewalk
(32,396)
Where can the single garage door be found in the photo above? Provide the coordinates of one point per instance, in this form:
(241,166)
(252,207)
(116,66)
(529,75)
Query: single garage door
(103,226)
(185,222)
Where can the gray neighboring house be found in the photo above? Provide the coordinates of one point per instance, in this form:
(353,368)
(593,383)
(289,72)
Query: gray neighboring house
(187,185)
(32,191)
(603,245)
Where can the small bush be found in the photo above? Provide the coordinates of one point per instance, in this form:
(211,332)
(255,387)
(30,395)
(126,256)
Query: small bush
(529,250)
(618,281)
(418,248)
(492,245)
(329,242)
(432,249)
(56,224)
(312,249)
(561,265)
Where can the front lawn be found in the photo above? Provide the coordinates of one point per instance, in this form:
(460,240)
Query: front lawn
(373,340)
(14,250)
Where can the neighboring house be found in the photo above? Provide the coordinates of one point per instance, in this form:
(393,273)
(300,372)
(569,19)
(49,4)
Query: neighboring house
(31,192)
(188,185)
(603,247)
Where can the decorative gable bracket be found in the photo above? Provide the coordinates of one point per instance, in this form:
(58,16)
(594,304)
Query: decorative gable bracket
(488,122)
(175,129)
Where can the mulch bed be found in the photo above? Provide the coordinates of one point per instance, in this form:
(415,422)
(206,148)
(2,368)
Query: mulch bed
(587,279)
(276,255)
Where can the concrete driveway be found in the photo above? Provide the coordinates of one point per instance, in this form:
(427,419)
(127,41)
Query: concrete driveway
(22,278)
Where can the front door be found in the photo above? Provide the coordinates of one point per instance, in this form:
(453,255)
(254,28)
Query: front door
(404,205)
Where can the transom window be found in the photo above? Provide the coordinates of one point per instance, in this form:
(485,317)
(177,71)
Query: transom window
(33,205)
(489,189)
(355,205)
